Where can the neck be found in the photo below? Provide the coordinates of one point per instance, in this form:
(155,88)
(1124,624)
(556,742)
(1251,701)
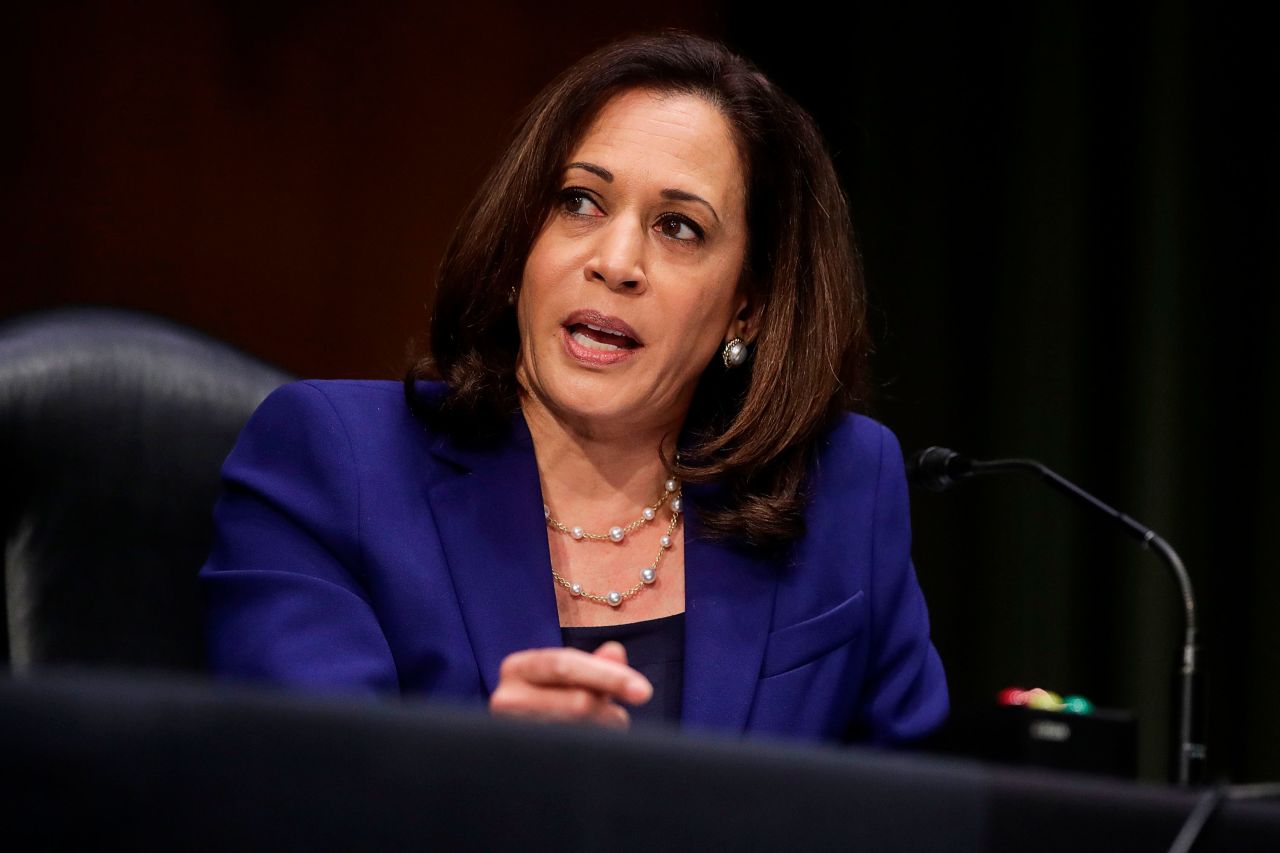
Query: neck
(594,473)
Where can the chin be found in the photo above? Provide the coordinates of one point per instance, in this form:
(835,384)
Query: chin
(590,399)
(596,399)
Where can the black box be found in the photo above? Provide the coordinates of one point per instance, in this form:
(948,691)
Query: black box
(1104,741)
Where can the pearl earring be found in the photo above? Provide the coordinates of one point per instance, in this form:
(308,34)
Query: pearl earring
(735,353)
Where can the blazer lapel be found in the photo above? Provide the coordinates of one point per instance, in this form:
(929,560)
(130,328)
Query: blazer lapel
(494,537)
(495,542)
(729,596)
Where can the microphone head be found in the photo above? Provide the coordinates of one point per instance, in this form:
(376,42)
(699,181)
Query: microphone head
(936,468)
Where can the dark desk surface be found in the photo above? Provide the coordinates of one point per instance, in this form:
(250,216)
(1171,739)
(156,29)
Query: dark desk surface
(111,761)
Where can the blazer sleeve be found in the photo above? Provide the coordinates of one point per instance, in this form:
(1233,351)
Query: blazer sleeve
(284,601)
(907,698)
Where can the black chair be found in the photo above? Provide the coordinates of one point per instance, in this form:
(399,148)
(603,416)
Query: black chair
(113,428)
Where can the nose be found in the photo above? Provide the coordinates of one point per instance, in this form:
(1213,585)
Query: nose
(617,259)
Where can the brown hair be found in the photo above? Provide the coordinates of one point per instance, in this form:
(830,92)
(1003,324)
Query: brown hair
(752,428)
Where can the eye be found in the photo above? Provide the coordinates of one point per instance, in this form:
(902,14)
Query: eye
(680,228)
(579,202)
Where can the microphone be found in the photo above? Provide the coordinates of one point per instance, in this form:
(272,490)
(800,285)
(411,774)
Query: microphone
(938,469)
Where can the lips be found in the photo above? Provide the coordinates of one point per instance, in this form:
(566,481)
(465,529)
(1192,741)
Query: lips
(591,326)
(596,340)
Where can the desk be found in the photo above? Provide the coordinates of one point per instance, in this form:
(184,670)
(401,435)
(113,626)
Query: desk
(101,761)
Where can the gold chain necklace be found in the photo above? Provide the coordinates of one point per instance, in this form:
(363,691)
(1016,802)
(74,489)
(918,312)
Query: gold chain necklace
(649,574)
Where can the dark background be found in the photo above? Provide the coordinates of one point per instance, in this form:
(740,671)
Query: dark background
(1069,215)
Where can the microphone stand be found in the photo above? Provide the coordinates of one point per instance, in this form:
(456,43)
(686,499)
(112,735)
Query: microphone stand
(1189,756)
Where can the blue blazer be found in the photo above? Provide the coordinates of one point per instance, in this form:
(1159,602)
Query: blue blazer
(356,550)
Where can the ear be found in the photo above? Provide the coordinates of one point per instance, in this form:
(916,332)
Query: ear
(746,316)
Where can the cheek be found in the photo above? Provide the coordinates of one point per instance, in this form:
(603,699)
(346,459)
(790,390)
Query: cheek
(548,270)
(715,305)
(536,285)
(698,338)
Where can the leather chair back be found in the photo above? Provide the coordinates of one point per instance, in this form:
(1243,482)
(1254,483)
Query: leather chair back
(113,429)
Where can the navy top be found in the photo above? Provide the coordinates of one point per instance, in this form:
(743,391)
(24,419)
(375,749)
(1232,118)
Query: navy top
(655,649)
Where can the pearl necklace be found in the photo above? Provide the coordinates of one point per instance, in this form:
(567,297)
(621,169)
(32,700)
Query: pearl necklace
(616,533)
(649,574)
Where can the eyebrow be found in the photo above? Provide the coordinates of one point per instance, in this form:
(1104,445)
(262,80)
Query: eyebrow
(681,195)
(599,171)
(670,194)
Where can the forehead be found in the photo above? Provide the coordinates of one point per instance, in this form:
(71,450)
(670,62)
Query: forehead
(678,140)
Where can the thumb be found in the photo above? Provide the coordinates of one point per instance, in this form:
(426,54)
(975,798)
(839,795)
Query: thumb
(612,650)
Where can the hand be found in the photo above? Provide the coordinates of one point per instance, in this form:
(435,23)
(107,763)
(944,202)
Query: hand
(570,685)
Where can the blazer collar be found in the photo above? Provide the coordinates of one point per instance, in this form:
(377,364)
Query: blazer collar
(729,596)
(495,542)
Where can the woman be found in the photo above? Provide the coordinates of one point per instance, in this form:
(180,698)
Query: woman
(638,490)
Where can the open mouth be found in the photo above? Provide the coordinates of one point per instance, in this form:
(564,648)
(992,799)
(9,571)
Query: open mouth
(597,338)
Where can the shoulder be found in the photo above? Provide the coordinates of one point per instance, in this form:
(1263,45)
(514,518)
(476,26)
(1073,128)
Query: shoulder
(857,472)
(358,406)
(347,396)
(326,448)
(334,422)
(858,446)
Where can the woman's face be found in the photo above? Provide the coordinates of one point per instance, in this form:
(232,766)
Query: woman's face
(647,243)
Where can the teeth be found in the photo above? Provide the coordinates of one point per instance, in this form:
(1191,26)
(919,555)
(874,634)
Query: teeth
(591,343)
(606,331)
